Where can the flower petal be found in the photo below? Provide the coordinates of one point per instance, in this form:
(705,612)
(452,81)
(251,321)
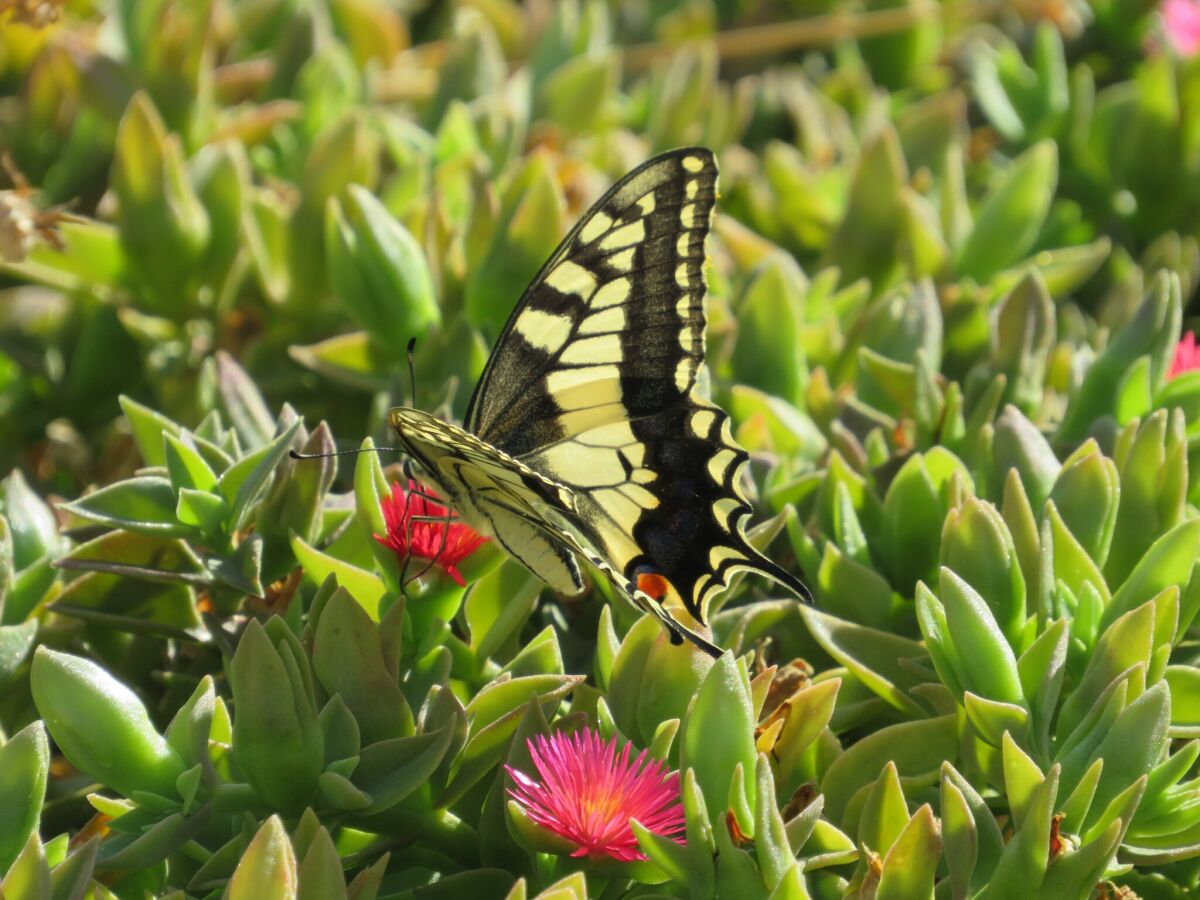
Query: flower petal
(589,789)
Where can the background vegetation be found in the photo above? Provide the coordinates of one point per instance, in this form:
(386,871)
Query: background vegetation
(952,262)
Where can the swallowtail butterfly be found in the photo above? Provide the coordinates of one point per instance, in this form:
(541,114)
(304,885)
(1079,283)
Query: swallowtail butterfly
(586,434)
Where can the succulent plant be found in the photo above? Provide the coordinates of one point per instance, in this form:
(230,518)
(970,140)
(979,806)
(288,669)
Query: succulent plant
(950,309)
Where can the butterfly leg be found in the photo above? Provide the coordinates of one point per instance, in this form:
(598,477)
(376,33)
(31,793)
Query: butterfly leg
(445,520)
(408,482)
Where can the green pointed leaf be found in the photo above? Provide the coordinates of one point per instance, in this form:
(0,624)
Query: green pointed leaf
(150,557)
(24,767)
(989,667)
(1008,222)
(1151,331)
(144,505)
(364,586)
(347,657)
(29,875)
(961,837)
(767,354)
(1085,494)
(267,870)
(885,814)
(101,726)
(718,732)
(1167,563)
(917,748)
(911,863)
(320,874)
(873,656)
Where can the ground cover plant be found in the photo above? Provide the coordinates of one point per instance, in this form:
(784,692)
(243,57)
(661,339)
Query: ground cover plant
(951,278)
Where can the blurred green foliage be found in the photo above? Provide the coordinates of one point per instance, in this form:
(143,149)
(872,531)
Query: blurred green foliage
(955,250)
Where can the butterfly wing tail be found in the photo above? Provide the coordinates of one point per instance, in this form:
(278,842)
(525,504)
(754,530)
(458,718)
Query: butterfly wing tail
(676,629)
(764,567)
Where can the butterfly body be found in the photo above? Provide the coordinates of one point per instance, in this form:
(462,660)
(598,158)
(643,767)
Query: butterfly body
(586,434)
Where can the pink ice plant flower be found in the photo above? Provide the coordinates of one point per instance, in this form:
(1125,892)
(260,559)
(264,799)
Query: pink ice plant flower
(1181,22)
(1187,356)
(589,791)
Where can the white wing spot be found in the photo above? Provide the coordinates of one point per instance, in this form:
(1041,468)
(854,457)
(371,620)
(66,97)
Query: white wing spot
(720,554)
(693,163)
(646,204)
(619,508)
(610,319)
(596,226)
(622,261)
(611,293)
(616,434)
(593,351)
(561,381)
(683,374)
(643,476)
(693,187)
(683,245)
(635,452)
(687,340)
(639,495)
(633,233)
(719,465)
(584,466)
(682,276)
(581,420)
(571,278)
(544,330)
(723,509)
(687,215)
(601,391)
(702,422)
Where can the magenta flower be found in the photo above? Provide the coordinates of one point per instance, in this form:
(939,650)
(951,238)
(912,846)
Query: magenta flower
(1187,356)
(589,791)
(1181,22)
(420,528)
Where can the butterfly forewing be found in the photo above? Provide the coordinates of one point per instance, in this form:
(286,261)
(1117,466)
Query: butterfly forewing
(613,325)
(593,384)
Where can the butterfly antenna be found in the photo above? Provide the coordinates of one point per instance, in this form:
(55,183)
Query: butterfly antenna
(412,372)
(294,455)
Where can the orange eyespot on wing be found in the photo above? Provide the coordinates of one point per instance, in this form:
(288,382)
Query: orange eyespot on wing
(653,585)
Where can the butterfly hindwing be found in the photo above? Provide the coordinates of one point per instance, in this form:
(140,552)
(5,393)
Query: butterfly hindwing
(499,496)
(529,514)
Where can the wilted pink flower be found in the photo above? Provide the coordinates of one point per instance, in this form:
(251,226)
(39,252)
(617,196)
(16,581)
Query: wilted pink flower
(589,791)
(1181,22)
(413,530)
(1187,356)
